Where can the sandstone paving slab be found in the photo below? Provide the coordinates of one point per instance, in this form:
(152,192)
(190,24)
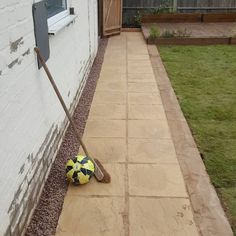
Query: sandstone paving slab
(108,128)
(107,150)
(117,43)
(151,129)
(144,77)
(111,85)
(146,112)
(139,63)
(119,54)
(115,51)
(159,180)
(132,47)
(144,98)
(116,48)
(138,57)
(133,35)
(108,111)
(164,216)
(142,87)
(109,97)
(91,216)
(136,67)
(115,188)
(135,39)
(133,50)
(136,42)
(119,58)
(111,61)
(108,64)
(159,151)
(119,39)
(111,69)
(111,77)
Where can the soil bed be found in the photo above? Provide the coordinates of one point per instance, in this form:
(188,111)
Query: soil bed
(198,33)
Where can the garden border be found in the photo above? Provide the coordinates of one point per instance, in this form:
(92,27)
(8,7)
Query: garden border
(185,18)
(208,213)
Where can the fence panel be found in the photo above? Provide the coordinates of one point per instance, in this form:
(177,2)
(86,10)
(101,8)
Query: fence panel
(206,5)
(131,8)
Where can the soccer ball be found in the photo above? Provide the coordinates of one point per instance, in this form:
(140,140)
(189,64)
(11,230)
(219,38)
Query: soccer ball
(79,170)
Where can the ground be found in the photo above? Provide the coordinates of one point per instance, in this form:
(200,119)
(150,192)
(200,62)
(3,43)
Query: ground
(204,79)
(127,130)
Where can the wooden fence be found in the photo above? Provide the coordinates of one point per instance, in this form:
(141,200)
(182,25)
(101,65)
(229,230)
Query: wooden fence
(132,8)
(218,4)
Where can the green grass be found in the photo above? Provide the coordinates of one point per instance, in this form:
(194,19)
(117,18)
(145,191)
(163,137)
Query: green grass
(204,79)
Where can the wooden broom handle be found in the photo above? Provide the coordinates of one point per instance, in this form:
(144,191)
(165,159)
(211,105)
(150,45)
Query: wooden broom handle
(61,100)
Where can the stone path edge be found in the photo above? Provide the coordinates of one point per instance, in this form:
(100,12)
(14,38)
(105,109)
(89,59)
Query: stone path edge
(208,213)
(47,212)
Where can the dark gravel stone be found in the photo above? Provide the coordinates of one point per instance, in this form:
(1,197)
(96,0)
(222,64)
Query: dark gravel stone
(46,215)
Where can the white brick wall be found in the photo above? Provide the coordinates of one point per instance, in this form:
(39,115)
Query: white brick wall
(28,105)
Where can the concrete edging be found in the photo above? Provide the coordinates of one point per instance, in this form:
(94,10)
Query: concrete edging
(208,213)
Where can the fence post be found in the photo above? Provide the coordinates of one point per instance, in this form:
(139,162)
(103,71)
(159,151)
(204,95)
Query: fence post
(175,5)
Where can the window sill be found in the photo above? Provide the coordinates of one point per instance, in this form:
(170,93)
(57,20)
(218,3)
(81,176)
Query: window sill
(58,26)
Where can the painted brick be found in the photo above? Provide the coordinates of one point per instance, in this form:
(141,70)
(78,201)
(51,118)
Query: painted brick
(7,18)
(29,107)
(2,61)
(8,232)
(4,40)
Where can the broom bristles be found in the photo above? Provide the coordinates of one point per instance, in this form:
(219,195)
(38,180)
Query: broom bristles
(107,178)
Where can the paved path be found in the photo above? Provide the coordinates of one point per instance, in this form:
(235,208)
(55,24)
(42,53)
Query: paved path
(128,131)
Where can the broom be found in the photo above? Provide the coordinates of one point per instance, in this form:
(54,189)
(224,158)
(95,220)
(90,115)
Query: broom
(100,173)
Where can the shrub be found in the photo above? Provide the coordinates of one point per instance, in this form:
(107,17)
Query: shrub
(168,34)
(178,33)
(154,32)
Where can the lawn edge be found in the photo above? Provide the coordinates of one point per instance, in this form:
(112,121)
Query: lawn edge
(208,212)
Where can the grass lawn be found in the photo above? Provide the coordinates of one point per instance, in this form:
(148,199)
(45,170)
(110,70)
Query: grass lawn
(204,79)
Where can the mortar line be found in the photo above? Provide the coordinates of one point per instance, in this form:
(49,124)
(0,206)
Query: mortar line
(127,232)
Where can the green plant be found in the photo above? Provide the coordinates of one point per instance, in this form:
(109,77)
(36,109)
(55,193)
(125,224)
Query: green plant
(176,33)
(138,18)
(164,7)
(154,32)
(168,34)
